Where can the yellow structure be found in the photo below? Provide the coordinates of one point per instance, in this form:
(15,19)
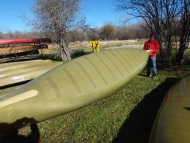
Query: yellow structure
(95,45)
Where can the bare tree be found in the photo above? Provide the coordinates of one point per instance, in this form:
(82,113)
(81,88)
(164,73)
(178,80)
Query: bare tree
(107,31)
(56,18)
(92,33)
(1,35)
(162,18)
(185,33)
(122,33)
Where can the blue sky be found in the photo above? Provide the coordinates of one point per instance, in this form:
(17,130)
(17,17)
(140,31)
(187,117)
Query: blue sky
(10,11)
(97,13)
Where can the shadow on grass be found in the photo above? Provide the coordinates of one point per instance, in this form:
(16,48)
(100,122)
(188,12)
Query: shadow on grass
(14,137)
(137,127)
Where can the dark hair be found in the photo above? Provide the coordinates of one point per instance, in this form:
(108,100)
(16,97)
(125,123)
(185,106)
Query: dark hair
(152,35)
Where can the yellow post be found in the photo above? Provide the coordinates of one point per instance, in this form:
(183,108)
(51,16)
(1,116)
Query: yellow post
(95,45)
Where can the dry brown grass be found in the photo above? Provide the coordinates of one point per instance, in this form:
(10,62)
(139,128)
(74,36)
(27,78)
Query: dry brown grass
(85,45)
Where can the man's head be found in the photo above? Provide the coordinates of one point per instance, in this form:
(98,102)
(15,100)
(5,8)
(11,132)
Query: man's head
(152,36)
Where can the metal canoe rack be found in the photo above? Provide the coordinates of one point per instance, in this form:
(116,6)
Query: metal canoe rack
(11,51)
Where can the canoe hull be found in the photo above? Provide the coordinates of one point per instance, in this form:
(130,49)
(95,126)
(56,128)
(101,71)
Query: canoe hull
(10,67)
(172,123)
(25,75)
(16,49)
(72,85)
(24,40)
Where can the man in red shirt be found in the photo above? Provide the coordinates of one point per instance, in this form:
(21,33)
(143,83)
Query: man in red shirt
(153,45)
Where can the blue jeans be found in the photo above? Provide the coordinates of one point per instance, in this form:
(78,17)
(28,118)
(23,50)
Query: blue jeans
(151,66)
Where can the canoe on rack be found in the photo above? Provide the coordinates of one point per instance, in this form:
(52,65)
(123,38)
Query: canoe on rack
(24,40)
(25,47)
(15,49)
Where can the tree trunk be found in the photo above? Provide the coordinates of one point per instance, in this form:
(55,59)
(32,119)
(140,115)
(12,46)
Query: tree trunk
(65,54)
(180,57)
(184,39)
(165,54)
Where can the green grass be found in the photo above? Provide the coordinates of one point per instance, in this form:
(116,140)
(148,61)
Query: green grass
(124,117)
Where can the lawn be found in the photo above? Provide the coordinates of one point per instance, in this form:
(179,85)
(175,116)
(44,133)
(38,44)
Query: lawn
(124,117)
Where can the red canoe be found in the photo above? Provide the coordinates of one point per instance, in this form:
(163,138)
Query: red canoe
(25,40)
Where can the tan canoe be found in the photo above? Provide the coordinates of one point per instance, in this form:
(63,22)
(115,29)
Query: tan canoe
(2,65)
(19,65)
(25,76)
(25,69)
(172,124)
(22,48)
(70,86)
